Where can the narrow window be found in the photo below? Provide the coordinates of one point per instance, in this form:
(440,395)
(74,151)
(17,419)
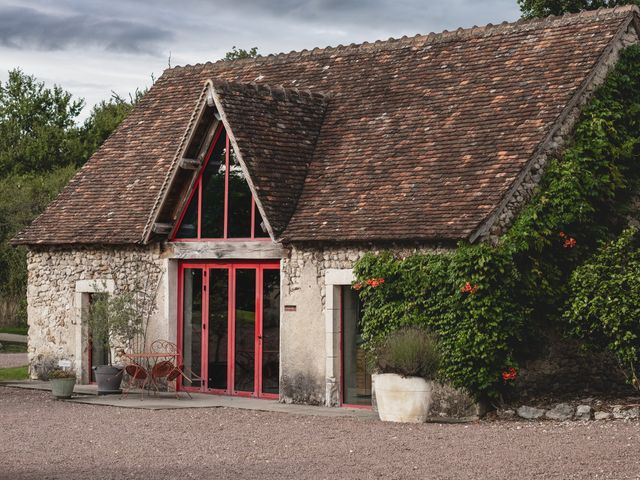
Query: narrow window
(240,201)
(213,180)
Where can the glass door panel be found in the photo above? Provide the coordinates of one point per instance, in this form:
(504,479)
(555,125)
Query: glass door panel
(192,325)
(98,351)
(230,333)
(356,380)
(218,331)
(270,331)
(245,330)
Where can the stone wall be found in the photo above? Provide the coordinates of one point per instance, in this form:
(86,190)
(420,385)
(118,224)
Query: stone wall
(322,258)
(563,368)
(304,331)
(58,280)
(58,284)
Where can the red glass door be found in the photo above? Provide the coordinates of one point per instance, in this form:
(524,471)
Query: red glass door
(229,327)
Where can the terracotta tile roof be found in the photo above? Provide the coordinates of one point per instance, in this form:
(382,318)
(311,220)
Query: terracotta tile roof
(421,139)
(274,130)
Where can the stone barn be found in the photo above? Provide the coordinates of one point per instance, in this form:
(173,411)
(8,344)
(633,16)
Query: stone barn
(254,185)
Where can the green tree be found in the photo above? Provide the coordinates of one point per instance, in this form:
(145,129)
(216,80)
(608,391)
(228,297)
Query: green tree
(238,53)
(544,8)
(37,125)
(41,147)
(22,198)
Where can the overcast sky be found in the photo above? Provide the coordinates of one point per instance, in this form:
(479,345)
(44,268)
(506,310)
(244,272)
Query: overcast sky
(92,47)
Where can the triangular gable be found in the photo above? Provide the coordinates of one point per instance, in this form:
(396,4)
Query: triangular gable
(273,131)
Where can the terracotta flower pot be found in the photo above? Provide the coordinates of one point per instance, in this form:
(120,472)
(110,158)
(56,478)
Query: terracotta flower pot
(402,399)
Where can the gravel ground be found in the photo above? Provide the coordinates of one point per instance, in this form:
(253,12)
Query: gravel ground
(44,439)
(13,360)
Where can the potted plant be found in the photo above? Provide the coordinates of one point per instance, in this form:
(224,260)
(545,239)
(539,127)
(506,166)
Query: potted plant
(62,382)
(113,320)
(406,362)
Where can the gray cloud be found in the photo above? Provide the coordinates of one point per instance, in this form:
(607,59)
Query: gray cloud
(29,28)
(413,15)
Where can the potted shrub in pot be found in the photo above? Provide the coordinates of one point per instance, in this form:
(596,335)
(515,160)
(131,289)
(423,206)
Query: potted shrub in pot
(113,320)
(407,363)
(62,382)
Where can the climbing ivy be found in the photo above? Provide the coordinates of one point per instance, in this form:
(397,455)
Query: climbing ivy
(604,306)
(488,303)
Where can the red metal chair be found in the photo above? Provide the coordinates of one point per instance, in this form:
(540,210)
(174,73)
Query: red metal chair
(159,371)
(137,375)
(169,370)
(178,371)
(162,369)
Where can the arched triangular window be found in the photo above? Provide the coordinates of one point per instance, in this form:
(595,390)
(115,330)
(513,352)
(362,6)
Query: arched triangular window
(221,205)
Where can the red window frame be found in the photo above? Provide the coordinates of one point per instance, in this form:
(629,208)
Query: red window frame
(198,189)
(342,388)
(258,348)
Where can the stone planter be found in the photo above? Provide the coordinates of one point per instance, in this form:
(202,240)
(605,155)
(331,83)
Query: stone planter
(62,387)
(402,399)
(108,378)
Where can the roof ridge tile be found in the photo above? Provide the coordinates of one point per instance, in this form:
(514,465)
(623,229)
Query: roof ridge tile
(431,37)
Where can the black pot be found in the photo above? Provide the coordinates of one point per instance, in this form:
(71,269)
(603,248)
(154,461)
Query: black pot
(108,379)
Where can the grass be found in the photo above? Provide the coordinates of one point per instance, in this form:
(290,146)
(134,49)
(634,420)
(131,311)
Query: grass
(13,347)
(15,330)
(14,373)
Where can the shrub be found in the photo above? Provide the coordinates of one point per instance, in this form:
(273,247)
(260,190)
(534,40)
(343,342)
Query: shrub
(410,352)
(604,307)
(477,330)
(61,373)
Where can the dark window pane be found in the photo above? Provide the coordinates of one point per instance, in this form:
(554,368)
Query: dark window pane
(239,201)
(189,226)
(98,346)
(259,231)
(244,365)
(270,330)
(213,192)
(218,331)
(357,377)
(192,324)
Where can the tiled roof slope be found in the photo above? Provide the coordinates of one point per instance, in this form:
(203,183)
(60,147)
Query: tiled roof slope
(421,139)
(275,131)
(110,199)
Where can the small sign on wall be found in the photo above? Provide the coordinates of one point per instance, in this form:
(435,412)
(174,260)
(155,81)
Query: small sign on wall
(289,308)
(64,363)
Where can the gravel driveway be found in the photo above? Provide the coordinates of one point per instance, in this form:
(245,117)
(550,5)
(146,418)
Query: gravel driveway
(44,439)
(13,360)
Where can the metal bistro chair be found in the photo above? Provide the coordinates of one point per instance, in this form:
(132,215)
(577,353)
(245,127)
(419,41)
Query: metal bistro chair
(166,368)
(137,375)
